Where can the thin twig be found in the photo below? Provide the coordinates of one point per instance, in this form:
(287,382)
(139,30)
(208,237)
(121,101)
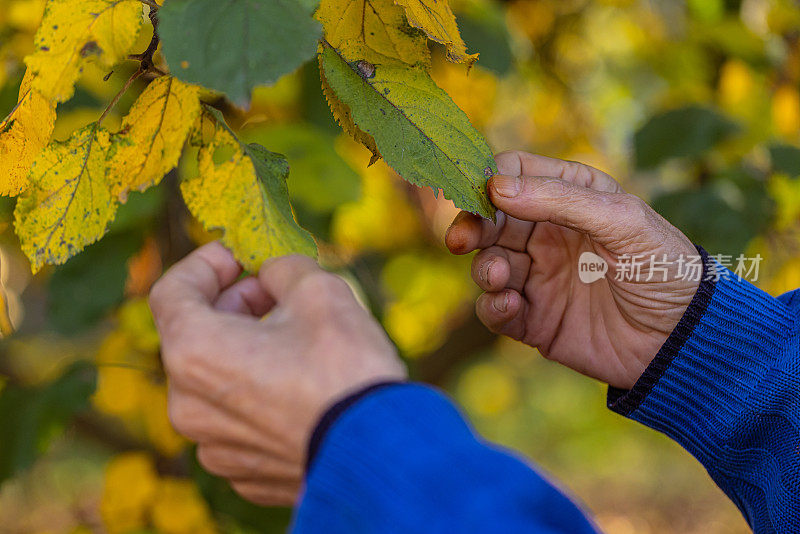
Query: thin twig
(146,57)
(125,87)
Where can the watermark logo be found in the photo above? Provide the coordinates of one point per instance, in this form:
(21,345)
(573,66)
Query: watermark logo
(627,268)
(591,267)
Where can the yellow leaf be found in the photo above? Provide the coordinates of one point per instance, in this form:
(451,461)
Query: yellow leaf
(475,93)
(130,486)
(488,389)
(25,14)
(68,204)
(786,192)
(75,32)
(382,219)
(341,112)
(372,30)
(786,110)
(23,134)
(241,189)
(735,83)
(157,425)
(152,136)
(180,509)
(120,391)
(435,18)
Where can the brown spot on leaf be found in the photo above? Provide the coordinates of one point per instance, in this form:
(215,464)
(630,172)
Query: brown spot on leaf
(90,48)
(365,69)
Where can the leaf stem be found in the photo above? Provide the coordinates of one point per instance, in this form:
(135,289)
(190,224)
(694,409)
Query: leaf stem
(125,87)
(146,57)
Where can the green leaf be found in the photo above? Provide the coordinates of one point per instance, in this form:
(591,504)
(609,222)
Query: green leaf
(233,46)
(685,132)
(483,26)
(89,285)
(313,106)
(785,159)
(321,179)
(418,129)
(9,91)
(245,196)
(32,416)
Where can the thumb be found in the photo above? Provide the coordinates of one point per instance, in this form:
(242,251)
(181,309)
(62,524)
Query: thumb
(600,214)
(282,275)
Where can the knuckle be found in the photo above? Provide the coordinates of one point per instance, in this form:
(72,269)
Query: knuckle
(211,459)
(252,493)
(547,355)
(635,205)
(554,188)
(179,343)
(323,287)
(181,418)
(482,306)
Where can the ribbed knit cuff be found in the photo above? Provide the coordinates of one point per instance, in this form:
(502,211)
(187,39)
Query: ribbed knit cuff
(625,401)
(712,362)
(334,412)
(403,459)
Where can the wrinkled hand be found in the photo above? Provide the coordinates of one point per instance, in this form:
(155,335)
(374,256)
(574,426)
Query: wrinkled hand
(551,212)
(249,391)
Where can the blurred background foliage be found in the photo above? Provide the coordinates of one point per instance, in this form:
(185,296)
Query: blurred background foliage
(692,104)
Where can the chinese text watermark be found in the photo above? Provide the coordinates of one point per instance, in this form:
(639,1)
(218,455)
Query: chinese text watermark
(653,268)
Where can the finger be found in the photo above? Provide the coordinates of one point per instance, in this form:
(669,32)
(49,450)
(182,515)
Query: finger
(195,281)
(202,421)
(515,234)
(245,296)
(469,232)
(241,463)
(279,276)
(563,203)
(502,312)
(517,163)
(267,494)
(497,268)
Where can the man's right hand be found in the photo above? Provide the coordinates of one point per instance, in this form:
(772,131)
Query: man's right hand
(550,212)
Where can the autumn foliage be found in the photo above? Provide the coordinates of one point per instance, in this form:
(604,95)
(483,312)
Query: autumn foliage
(376,82)
(133,130)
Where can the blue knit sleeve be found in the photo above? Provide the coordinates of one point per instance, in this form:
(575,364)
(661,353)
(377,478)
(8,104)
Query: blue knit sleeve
(402,459)
(726,386)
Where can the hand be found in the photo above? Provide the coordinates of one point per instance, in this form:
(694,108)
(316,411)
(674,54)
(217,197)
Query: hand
(551,212)
(250,391)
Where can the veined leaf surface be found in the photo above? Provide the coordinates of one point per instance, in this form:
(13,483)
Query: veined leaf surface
(152,135)
(344,117)
(418,129)
(372,30)
(68,204)
(436,19)
(74,32)
(241,189)
(233,46)
(23,134)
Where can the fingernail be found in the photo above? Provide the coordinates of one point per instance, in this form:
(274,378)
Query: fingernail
(500,302)
(484,272)
(506,186)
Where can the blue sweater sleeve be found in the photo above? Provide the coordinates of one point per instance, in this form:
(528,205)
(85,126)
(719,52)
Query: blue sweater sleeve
(402,459)
(726,386)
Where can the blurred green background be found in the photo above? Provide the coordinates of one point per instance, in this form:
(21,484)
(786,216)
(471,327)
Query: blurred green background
(693,105)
